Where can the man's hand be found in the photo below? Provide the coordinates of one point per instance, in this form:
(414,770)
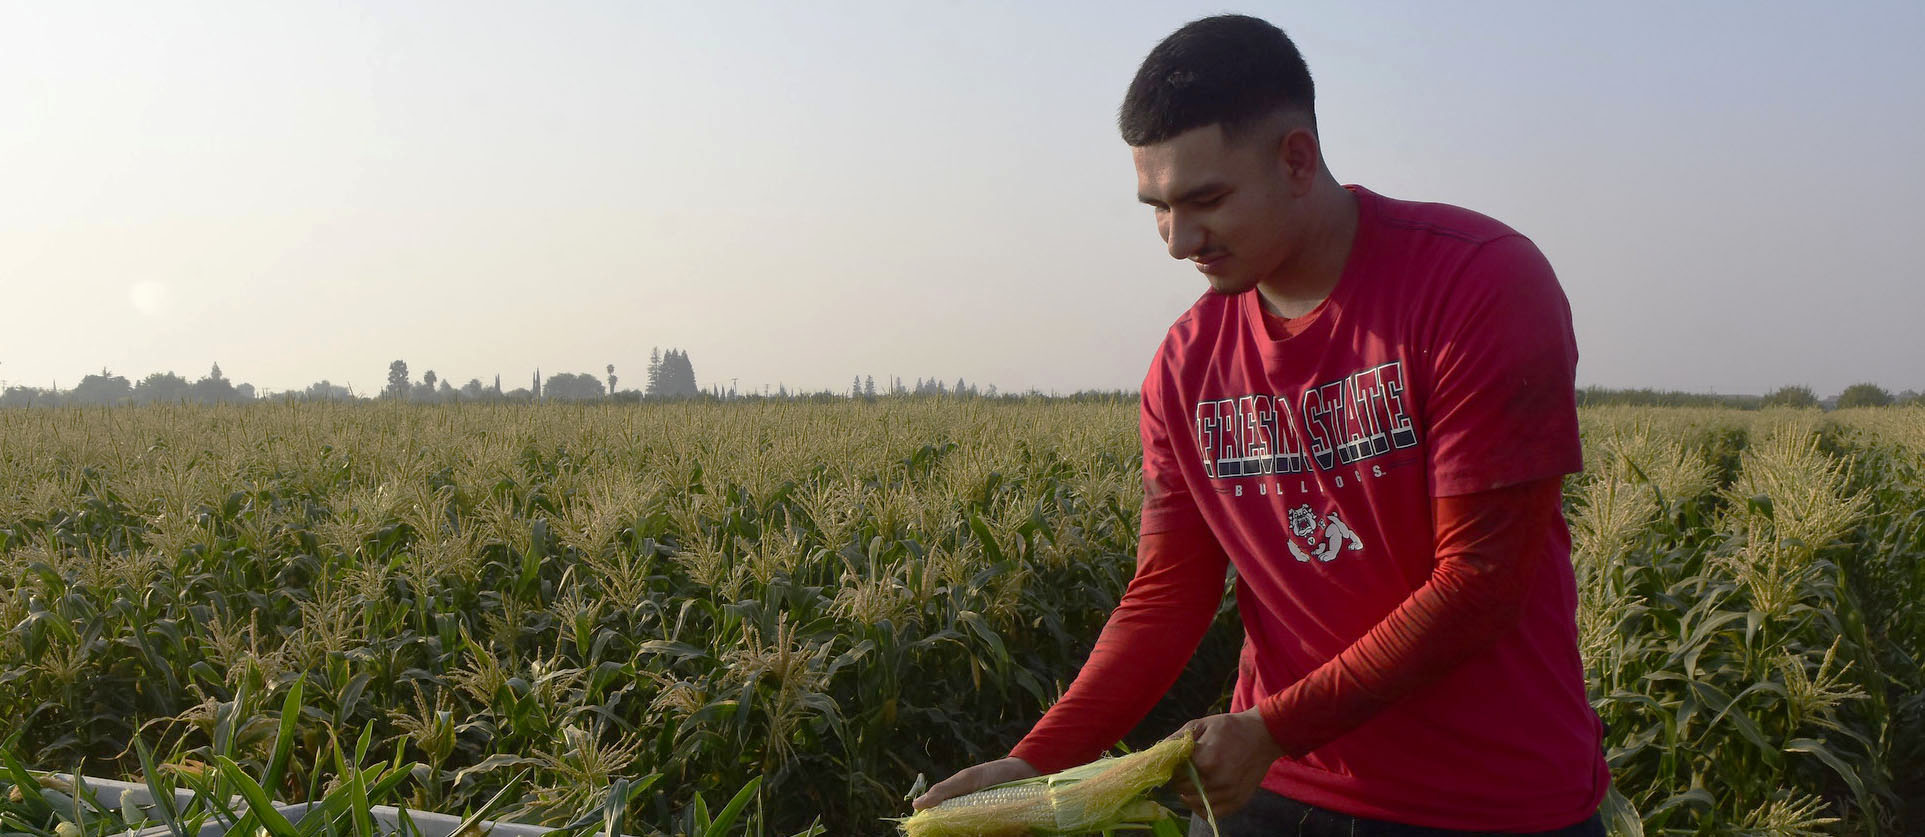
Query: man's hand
(1233,752)
(976,778)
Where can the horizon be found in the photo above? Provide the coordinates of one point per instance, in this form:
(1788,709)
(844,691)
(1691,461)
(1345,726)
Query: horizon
(796,198)
(492,390)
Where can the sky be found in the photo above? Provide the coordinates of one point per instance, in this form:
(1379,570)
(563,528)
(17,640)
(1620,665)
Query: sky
(797,194)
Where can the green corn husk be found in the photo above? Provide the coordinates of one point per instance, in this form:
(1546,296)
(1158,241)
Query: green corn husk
(1106,793)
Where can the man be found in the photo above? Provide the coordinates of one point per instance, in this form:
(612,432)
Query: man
(1375,439)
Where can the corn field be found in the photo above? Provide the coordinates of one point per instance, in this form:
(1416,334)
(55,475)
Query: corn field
(802,607)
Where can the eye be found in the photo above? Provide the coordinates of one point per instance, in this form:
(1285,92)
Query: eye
(1213,200)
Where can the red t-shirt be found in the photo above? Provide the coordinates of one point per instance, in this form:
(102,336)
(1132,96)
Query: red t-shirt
(1442,364)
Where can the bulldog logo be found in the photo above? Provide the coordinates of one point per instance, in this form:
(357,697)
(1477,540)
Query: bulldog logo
(1325,538)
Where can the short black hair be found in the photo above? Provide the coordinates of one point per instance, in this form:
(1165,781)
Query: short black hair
(1229,70)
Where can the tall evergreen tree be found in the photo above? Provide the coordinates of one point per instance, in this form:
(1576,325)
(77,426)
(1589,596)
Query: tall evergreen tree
(672,376)
(683,376)
(397,380)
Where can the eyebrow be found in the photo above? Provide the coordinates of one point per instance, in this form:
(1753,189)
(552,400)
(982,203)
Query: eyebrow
(1191,194)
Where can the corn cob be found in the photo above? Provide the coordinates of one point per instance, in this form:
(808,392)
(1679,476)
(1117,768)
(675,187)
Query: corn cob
(1102,794)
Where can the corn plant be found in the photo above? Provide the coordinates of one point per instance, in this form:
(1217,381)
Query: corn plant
(801,607)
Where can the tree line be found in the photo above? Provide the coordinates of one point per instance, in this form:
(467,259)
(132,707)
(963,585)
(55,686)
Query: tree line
(671,375)
(1856,395)
(106,389)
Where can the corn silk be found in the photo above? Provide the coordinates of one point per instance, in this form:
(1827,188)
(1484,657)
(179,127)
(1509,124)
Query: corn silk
(1104,794)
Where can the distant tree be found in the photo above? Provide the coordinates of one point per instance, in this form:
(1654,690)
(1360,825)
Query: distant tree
(323,390)
(1792,396)
(472,390)
(397,380)
(104,389)
(1599,396)
(18,396)
(535,387)
(672,376)
(1909,398)
(215,388)
(497,383)
(426,392)
(162,388)
(855,387)
(869,386)
(1864,395)
(685,375)
(568,386)
(446,393)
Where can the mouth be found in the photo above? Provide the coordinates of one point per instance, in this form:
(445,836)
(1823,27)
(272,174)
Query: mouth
(1213,263)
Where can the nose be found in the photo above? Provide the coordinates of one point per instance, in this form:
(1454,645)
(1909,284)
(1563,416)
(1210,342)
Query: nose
(1184,236)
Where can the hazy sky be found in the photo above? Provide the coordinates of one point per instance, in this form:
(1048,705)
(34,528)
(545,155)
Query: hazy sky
(804,192)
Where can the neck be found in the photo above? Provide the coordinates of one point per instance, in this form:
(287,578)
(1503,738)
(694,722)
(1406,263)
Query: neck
(1303,283)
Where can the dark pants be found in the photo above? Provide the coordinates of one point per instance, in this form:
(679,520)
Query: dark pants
(1271,815)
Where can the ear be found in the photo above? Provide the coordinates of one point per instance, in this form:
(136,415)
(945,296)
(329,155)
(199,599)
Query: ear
(1300,159)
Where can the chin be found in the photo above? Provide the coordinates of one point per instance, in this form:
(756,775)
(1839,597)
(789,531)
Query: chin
(1229,285)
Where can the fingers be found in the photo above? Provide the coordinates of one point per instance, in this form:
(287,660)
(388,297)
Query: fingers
(1226,795)
(1202,759)
(1207,734)
(963,782)
(1182,787)
(1223,801)
(970,780)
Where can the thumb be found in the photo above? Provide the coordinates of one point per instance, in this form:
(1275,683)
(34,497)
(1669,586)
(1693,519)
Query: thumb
(1200,730)
(1195,728)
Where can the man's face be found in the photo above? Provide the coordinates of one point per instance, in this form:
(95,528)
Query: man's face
(1225,205)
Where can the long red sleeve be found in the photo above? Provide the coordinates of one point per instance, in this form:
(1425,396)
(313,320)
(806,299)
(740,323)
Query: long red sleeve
(1143,648)
(1485,567)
